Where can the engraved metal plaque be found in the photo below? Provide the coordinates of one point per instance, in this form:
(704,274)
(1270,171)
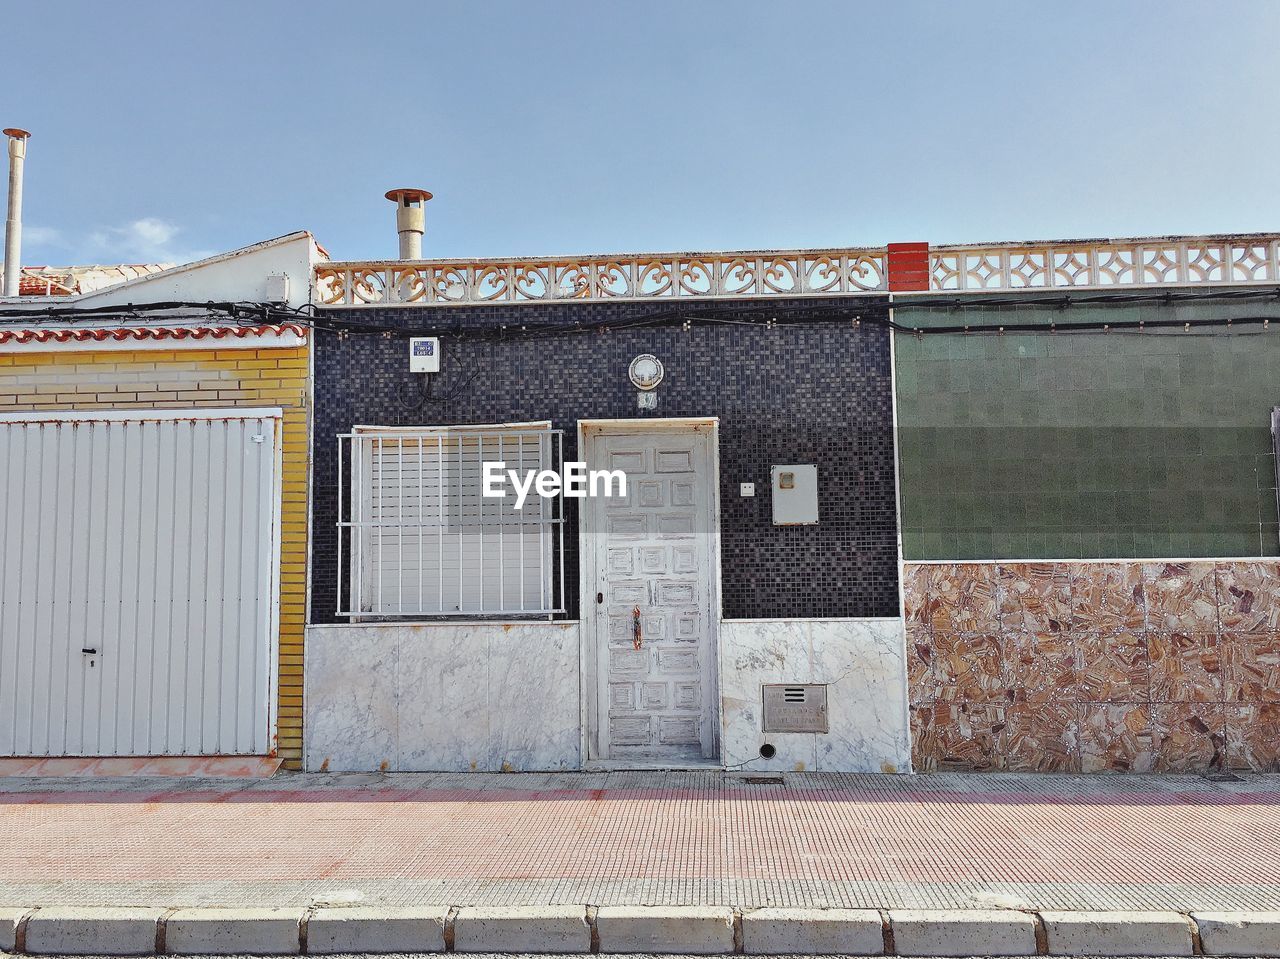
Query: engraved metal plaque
(795,708)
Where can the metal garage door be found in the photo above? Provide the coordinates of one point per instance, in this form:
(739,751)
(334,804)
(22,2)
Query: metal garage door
(137,608)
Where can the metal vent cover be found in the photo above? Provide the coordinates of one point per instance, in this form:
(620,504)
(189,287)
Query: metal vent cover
(795,708)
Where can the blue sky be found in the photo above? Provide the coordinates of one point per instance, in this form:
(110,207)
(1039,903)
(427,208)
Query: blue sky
(163,131)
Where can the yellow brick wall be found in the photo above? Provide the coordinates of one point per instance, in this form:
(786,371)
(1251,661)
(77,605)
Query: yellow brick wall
(162,379)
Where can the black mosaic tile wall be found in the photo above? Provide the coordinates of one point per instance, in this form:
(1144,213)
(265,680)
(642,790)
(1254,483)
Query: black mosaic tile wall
(817,393)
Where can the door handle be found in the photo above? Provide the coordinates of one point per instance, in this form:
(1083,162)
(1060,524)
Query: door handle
(637,634)
(599,598)
(91,652)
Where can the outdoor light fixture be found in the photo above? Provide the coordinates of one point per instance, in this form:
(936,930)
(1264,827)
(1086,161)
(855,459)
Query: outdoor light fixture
(645,371)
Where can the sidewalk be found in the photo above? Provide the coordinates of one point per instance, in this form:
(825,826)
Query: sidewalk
(824,840)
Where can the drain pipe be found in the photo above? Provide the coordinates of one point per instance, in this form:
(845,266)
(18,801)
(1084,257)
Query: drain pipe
(13,224)
(410,219)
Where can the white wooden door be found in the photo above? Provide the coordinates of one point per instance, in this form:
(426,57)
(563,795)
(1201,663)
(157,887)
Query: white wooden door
(654,618)
(137,583)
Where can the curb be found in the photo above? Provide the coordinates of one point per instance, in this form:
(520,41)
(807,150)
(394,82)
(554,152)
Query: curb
(696,930)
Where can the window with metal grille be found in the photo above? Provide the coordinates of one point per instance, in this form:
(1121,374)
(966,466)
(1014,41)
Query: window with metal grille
(421,540)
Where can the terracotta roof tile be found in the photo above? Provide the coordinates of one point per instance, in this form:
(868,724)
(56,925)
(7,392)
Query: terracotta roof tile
(118,333)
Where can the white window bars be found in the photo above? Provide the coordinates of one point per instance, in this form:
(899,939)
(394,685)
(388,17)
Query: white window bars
(417,537)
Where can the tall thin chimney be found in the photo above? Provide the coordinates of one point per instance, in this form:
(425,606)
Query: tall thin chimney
(13,223)
(410,219)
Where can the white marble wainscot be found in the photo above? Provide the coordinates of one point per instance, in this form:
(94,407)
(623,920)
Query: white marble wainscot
(448,697)
(349,693)
(863,663)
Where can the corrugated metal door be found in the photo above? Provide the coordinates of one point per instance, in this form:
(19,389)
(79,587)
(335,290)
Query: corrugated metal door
(136,583)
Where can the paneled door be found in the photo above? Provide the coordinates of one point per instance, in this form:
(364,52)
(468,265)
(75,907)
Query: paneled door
(652,609)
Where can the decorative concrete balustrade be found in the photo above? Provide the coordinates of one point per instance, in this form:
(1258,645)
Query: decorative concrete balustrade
(1072,264)
(1233,260)
(626,277)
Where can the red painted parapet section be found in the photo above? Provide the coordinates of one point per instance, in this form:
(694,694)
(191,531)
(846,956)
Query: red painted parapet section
(908,267)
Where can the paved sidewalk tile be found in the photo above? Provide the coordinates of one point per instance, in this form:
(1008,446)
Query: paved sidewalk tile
(815,840)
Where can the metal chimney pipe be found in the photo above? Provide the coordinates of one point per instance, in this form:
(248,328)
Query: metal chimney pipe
(410,219)
(13,223)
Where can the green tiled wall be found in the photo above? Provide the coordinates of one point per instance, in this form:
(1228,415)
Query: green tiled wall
(1126,445)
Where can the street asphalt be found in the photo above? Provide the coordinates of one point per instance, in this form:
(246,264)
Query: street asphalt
(525,955)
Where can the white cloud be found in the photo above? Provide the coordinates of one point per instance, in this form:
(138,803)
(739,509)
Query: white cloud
(40,236)
(146,240)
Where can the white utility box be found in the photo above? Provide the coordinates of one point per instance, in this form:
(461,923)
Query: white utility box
(277,288)
(424,354)
(795,495)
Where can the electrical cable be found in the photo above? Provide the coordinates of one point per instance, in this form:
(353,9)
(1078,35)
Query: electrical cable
(874,311)
(687,320)
(241,312)
(424,385)
(424,390)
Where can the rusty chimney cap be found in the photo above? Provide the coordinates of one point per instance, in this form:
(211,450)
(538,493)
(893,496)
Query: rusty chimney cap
(15,132)
(407,192)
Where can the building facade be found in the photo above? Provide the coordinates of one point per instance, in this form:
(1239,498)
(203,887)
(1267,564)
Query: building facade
(662,614)
(1089,520)
(153,534)
(1006,507)
(1077,436)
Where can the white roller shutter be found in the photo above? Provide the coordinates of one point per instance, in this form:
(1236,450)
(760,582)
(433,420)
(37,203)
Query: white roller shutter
(426,541)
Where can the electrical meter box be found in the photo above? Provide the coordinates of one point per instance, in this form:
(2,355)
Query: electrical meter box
(424,354)
(795,495)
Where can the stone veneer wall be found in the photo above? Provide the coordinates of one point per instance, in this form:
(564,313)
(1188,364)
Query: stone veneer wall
(1094,666)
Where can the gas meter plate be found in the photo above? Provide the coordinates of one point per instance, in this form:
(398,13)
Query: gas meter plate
(795,708)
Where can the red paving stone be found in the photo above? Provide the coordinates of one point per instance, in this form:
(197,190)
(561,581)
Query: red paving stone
(820,839)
